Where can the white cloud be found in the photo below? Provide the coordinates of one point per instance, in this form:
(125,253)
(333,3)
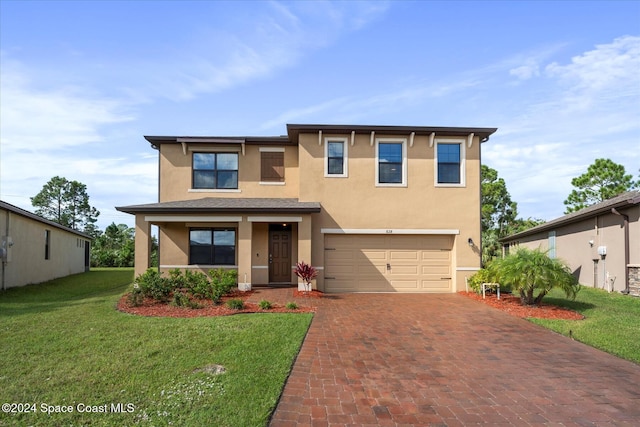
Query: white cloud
(43,119)
(525,72)
(272,39)
(588,109)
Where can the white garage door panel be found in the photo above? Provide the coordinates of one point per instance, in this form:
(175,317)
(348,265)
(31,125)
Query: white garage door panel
(399,263)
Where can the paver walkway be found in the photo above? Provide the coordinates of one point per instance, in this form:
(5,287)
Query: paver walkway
(445,360)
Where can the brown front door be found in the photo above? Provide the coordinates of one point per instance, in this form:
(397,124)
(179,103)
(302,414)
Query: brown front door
(279,253)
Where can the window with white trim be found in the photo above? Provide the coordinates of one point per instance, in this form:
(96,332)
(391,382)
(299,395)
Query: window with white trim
(212,246)
(391,163)
(336,154)
(215,170)
(449,167)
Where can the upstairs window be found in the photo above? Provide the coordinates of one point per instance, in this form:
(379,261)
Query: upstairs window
(335,153)
(215,170)
(271,165)
(391,159)
(212,246)
(450,164)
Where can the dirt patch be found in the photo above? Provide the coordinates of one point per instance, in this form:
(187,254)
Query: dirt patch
(511,304)
(153,308)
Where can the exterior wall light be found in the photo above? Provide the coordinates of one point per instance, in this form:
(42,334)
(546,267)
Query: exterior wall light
(470,241)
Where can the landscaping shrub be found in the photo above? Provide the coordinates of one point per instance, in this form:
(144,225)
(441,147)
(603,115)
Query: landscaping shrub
(153,285)
(291,306)
(235,304)
(218,283)
(265,305)
(222,282)
(486,275)
(136,296)
(198,284)
(180,299)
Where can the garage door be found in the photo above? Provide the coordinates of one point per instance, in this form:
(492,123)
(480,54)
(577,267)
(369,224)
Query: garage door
(383,263)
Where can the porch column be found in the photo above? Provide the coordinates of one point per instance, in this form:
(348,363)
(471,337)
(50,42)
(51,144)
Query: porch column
(244,254)
(304,245)
(142,259)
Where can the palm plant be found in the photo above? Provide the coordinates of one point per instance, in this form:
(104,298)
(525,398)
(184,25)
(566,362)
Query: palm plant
(528,271)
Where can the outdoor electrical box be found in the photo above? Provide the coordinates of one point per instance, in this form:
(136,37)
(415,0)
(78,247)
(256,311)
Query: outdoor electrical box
(602,251)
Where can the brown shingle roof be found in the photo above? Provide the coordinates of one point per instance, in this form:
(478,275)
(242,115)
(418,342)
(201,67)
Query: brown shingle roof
(225,204)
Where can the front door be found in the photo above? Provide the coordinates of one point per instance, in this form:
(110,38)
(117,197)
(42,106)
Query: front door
(279,253)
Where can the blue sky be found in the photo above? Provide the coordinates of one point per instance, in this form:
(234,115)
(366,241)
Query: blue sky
(82,82)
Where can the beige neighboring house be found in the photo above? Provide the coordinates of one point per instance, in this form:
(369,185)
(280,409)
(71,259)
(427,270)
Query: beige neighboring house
(601,243)
(34,250)
(372,208)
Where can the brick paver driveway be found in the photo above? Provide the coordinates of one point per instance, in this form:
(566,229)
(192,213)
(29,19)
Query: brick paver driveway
(392,359)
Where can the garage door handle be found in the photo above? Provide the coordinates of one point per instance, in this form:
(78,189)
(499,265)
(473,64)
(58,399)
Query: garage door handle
(445,278)
(388,266)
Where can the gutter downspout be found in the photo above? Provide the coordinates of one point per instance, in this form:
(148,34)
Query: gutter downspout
(626,249)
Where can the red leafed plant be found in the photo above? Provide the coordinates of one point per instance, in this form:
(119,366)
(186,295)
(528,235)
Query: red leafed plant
(306,273)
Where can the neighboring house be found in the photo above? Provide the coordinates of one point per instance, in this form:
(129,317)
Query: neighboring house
(601,243)
(373,208)
(34,249)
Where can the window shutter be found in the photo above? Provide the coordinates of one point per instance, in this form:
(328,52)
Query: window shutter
(272,167)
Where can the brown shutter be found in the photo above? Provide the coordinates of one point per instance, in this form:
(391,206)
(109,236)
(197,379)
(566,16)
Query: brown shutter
(272,166)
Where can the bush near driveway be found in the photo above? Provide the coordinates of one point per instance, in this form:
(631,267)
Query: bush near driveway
(63,343)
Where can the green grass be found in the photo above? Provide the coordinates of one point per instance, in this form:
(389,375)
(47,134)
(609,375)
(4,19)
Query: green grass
(612,321)
(63,343)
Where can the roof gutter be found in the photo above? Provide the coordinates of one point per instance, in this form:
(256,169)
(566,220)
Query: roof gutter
(625,223)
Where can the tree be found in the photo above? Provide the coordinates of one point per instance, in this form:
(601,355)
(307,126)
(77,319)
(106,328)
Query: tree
(529,271)
(498,210)
(603,180)
(67,203)
(499,214)
(114,248)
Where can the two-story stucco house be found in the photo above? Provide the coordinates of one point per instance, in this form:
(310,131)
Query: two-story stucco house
(373,208)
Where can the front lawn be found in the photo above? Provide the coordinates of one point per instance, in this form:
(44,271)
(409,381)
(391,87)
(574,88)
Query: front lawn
(64,347)
(612,321)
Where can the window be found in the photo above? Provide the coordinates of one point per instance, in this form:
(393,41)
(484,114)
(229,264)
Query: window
(335,153)
(391,159)
(450,163)
(215,170)
(47,243)
(271,165)
(212,246)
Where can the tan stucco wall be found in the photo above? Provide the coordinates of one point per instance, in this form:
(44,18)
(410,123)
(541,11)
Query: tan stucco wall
(174,241)
(356,203)
(572,246)
(176,176)
(26,258)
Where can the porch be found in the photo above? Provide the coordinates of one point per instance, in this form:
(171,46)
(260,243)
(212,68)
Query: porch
(262,239)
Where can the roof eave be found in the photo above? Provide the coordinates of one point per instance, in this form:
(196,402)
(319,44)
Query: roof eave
(558,222)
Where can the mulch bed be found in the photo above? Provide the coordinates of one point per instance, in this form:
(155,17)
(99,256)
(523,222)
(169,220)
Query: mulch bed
(153,308)
(511,304)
